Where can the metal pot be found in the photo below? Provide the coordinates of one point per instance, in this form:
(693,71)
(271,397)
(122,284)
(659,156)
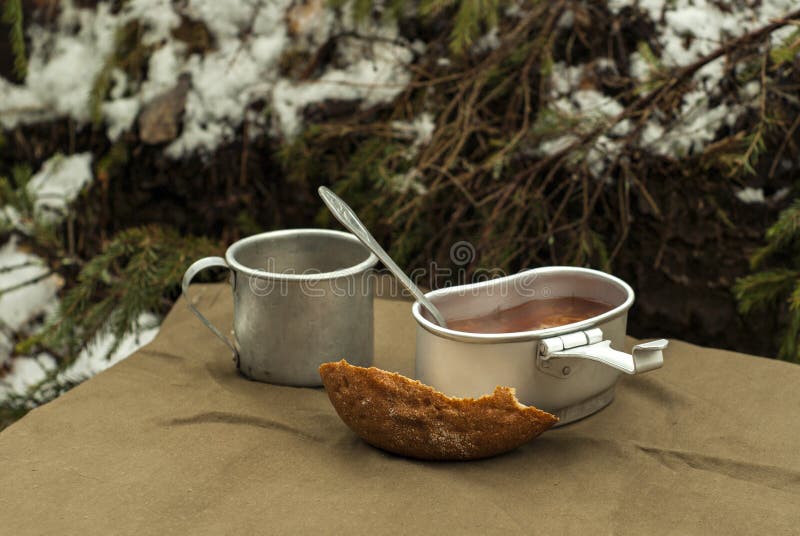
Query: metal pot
(568,370)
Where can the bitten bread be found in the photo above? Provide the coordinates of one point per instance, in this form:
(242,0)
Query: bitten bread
(406,417)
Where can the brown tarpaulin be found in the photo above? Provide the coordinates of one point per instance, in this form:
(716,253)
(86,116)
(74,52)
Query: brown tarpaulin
(173,441)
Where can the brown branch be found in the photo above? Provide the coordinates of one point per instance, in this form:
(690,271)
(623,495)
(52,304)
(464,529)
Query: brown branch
(680,76)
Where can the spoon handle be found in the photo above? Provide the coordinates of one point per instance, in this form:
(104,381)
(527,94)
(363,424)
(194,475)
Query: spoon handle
(348,218)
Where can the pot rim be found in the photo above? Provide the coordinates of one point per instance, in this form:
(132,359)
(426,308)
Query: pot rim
(522,336)
(230,256)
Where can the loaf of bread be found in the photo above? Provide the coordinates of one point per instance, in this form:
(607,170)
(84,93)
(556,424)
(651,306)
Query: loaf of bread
(406,417)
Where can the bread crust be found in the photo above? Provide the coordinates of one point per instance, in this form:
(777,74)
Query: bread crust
(409,418)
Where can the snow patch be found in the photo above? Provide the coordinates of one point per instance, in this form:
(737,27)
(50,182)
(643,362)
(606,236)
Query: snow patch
(64,63)
(59,182)
(158,17)
(419,131)
(27,289)
(556,145)
(592,101)
(162,70)
(780,195)
(27,372)
(227,80)
(120,115)
(564,79)
(751,195)
(487,42)
(377,73)
(249,37)
(18,105)
(567,20)
(686,31)
(403,182)
(93,360)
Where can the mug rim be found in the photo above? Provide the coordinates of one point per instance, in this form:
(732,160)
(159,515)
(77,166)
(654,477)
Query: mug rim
(230,258)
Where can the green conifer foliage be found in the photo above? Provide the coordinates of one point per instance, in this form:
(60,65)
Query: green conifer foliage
(138,271)
(12,15)
(777,286)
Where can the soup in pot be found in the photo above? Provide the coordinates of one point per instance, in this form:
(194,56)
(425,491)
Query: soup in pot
(533,315)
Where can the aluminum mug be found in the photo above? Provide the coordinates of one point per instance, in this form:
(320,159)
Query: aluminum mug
(301,297)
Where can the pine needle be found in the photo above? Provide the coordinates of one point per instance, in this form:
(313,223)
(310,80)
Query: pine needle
(12,15)
(781,235)
(131,276)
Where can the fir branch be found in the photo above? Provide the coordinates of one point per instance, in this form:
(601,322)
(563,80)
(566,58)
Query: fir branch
(14,194)
(790,349)
(794,299)
(431,8)
(780,235)
(131,276)
(758,291)
(13,16)
(678,77)
(129,55)
(466,26)
(787,228)
(362,9)
(471,17)
(788,50)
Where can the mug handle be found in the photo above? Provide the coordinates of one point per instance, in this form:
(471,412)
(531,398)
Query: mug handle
(193,270)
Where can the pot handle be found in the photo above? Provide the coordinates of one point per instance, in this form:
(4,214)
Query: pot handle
(645,356)
(193,270)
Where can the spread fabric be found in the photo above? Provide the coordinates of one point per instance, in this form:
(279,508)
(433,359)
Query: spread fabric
(174,441)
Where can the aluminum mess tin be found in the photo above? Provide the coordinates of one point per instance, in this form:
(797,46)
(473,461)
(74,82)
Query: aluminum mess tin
(568,370)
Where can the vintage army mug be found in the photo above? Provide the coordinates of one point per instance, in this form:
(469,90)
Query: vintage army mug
(301,297)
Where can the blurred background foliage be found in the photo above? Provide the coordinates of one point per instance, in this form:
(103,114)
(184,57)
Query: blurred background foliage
(707,267)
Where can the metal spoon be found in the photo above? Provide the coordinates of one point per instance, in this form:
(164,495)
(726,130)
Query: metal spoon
(349,219)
